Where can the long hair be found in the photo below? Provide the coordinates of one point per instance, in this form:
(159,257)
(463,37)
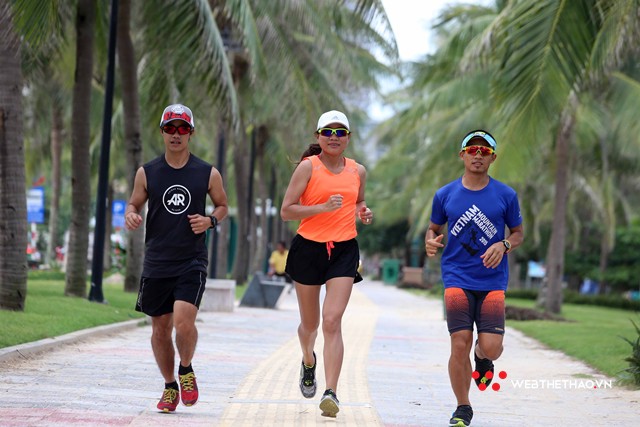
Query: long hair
(312,150)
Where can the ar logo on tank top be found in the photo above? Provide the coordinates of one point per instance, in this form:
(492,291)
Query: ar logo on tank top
(176,199)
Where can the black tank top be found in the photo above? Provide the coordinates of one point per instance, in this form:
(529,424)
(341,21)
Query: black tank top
(172,248)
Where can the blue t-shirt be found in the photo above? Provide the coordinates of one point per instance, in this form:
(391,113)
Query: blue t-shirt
(475,220)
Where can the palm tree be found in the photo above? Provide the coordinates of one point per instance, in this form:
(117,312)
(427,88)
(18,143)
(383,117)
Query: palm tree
(132,134)
(553,52)
(317,55)
(56,160)
(441,102)
(533,61)
(76,278)
(13,209)
(208,81)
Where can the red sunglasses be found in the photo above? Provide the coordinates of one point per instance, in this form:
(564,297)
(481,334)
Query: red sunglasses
(171,129)
(473,150)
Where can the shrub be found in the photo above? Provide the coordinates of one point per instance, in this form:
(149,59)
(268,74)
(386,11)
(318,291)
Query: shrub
(573,297)
(522,293)
(632,373)
(612,301)
(46,275)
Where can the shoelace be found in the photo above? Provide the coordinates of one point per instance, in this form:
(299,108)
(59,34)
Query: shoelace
(187,381)
(169,395)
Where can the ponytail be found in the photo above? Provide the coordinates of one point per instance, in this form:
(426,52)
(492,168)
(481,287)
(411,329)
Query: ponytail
(313,150)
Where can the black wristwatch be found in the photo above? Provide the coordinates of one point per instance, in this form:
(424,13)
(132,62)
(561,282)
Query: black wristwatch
(214,221)
(507,245)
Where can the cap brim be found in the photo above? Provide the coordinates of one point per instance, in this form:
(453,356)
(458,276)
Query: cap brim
(173,120)
(333,123)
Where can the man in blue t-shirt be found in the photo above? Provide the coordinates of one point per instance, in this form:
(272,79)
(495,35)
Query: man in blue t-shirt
(475,270)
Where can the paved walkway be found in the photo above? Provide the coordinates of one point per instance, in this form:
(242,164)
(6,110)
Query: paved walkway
(247,363)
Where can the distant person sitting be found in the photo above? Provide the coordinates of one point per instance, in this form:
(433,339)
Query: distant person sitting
(278,262)
(589,287)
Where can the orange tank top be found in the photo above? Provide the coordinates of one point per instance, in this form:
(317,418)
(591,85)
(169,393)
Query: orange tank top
(338,225)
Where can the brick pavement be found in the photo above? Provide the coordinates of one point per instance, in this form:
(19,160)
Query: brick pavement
(394,374)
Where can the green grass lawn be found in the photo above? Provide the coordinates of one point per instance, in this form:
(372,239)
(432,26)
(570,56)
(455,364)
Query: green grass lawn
(48,313)
(591,334)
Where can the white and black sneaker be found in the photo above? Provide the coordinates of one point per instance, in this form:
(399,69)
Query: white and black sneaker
(329,405)
(308,378)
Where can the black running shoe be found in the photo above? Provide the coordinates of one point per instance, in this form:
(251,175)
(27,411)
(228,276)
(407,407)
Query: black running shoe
(308,378)
(461,417)
(484,368)
(329,404)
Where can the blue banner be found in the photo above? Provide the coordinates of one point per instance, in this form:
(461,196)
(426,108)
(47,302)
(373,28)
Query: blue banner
(117,211)
(35,205)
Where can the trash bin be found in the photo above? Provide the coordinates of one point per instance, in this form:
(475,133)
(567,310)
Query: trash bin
(390,271)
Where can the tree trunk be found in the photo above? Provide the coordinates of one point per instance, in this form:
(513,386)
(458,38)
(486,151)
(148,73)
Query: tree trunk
(222,252)
(607,242)
(221,255)
(13,200)
(514,274)
(76,279)
(132,139)
(56,158)
(240,157)
(108,228)
(261,235)
(552,292)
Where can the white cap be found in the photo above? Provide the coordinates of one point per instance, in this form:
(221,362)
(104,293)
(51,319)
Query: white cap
(333,116)
(177,112)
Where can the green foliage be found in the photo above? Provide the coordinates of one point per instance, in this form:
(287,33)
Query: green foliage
(633,371)
(529,294)
(622,271)
(48,313)
(387,239)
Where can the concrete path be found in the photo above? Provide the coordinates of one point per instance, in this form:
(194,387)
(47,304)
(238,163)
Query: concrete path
(247,364)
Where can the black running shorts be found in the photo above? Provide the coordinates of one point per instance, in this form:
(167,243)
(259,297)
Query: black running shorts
(157,295)
(313,263)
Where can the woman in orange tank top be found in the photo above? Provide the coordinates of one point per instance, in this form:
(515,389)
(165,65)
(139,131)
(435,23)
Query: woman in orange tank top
(326,194)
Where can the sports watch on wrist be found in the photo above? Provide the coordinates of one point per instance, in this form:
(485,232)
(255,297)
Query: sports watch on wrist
(214,221)
(507,245)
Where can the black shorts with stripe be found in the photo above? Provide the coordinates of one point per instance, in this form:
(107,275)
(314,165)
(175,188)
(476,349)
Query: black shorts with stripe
(157,295)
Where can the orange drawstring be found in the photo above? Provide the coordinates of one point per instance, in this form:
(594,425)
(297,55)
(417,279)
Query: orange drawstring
(329,247)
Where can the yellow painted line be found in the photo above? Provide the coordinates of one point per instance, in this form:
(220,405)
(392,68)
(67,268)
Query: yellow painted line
(270,395)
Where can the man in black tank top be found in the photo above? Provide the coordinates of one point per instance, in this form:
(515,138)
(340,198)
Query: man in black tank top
(176,185)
